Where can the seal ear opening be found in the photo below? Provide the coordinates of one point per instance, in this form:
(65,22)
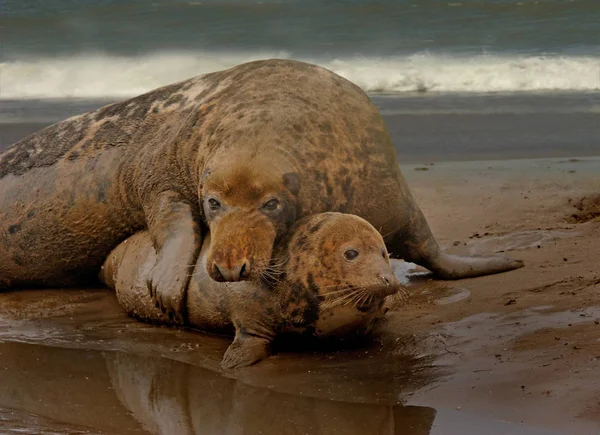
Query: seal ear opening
(291,181)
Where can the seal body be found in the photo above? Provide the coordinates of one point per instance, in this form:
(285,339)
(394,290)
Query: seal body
(317,290)
(245,152)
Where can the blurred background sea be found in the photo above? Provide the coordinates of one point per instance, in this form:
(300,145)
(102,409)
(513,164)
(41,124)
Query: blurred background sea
(455,80)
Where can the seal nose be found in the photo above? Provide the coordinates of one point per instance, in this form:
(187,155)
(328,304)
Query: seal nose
(238,272)
(390,284)
(389,279)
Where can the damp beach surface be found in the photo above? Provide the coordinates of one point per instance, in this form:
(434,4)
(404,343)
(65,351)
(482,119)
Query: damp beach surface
(510,353)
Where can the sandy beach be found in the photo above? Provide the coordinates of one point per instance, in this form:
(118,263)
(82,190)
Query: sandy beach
(526,344)
(514,353)
(494,111)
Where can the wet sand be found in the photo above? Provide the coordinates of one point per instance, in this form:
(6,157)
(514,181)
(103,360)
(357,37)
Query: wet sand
(514,353)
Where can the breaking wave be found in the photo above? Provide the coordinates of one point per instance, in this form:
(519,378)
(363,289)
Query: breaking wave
(103,76)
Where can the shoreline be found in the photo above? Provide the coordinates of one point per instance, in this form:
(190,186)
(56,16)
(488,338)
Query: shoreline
(424,129)
(523,346)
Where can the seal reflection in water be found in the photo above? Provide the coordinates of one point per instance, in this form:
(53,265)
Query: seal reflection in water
(82,391)
(169,398)
(328,278)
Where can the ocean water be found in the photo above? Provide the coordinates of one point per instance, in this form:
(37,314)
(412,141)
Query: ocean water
(119,48)
(455,79)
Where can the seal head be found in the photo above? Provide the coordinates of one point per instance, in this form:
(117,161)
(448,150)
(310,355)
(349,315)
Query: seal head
(338,274)
(247,205)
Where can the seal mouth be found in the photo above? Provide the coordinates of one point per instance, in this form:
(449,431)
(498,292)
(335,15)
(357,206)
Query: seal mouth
(363,298)
(383,290)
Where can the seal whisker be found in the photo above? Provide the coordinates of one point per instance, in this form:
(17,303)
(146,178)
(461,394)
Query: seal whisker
(280,262)
(275,258)
(362,296)
(279,265)
(275,275)
(217,184)
(224,182)
(355,299)
(337,299)
(367,299)
(343,290)
(331,304)
(267,264)
(348,296)
(343,300)
(386,234)
(270,277)
(272,263)
(273,270)
(277,268)
(348,299)
(355,295)
(268,271)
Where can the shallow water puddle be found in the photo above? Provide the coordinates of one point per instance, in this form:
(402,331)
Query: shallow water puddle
(73,362)
(125,393)
(533,367)
(55,390)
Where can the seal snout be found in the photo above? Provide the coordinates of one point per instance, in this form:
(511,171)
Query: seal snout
(236,272)
(389,283)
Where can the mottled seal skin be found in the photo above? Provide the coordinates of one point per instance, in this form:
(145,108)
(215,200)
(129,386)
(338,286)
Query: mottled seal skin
(246,151)
(331,279)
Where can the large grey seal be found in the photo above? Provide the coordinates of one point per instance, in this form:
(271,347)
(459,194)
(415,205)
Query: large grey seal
(246,151)
(333,275)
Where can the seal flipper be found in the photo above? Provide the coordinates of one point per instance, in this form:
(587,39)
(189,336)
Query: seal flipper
(415,243)
(245,350)
(446,266)
(177,238)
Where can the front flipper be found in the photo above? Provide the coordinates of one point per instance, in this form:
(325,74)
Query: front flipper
(177,239)
(245,351)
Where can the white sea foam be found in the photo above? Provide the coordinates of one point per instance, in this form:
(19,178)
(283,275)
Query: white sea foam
(99,76)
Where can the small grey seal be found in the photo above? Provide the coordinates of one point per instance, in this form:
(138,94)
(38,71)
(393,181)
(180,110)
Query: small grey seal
(333,275)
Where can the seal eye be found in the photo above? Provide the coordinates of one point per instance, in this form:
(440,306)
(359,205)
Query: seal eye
(213,204)
(350,254)
(271,204)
